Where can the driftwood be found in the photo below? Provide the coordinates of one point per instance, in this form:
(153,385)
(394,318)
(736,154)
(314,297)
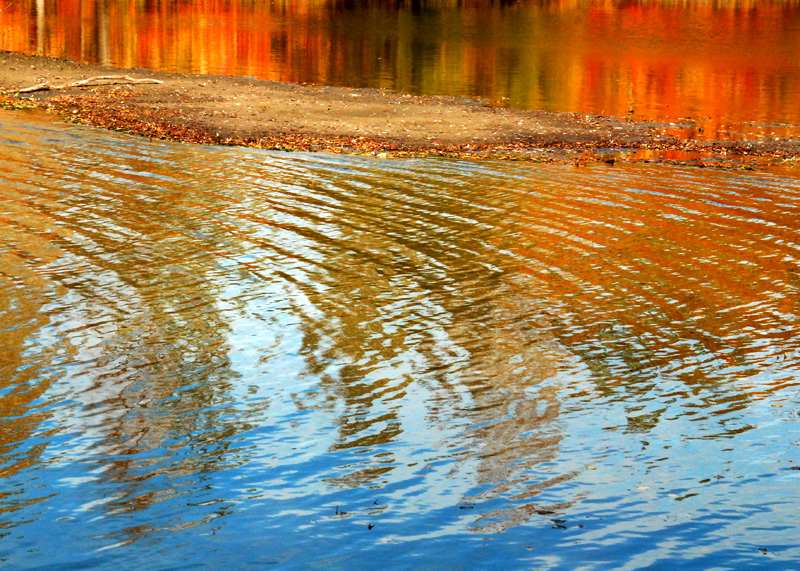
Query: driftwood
(90,82)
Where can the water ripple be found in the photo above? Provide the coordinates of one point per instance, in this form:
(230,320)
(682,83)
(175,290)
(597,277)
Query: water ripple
(401,358)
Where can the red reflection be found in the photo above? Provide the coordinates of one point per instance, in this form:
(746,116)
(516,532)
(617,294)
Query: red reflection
(704,61)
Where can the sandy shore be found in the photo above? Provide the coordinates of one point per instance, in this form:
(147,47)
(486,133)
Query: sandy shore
(245,111)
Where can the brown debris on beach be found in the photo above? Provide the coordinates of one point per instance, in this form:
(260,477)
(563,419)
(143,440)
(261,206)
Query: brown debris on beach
(270,115)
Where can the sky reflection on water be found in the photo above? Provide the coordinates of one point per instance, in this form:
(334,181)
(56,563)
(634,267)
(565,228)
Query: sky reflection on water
(225,356)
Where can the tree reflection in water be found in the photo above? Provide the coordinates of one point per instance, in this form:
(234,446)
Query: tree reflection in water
(263,335)
(722,66)
(134,330)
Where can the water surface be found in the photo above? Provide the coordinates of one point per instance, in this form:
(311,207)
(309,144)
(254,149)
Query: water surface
(215,356)
(729,66)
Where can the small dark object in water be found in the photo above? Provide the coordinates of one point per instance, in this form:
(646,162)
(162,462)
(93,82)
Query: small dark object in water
(795,467)
(609,162)
(370,526)
(763,550)
(545,512)
(340,513)
(559,526)
(466,507)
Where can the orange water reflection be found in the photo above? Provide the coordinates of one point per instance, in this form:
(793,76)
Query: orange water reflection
(714,62)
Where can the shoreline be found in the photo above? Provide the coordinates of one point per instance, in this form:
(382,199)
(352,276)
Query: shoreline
(228,110)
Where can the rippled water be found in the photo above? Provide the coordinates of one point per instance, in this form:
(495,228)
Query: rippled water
(224,356)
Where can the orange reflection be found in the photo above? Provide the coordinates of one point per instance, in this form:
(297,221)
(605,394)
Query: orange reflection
(710,61)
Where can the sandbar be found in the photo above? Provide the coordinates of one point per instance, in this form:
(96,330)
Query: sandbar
(226,110)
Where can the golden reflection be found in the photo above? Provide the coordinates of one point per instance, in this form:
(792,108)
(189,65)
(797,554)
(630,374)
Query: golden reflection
(680,283)
(25,236)
(419,328)
(444,304)
(145,344)
(708,62)
(164,370)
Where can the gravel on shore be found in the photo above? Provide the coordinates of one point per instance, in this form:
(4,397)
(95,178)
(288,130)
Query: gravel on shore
(246,111)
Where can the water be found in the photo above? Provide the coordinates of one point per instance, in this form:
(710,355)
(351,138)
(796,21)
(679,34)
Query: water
(215,356)
(729,66)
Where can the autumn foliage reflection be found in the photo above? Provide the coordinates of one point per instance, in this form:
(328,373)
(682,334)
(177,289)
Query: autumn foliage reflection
(712,61)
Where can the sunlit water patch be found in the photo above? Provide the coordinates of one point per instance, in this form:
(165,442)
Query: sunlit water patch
(225,356)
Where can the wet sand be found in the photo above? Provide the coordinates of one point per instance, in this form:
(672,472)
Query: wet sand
(247,111)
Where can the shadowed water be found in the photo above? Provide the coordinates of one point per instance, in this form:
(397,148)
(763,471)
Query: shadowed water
(216,356)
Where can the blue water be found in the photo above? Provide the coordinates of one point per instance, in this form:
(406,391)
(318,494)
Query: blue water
(214,356)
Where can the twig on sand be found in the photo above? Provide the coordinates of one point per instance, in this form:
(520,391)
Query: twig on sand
(90,82)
